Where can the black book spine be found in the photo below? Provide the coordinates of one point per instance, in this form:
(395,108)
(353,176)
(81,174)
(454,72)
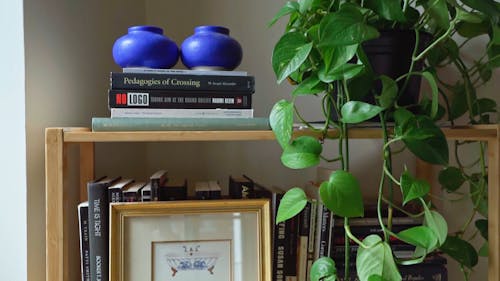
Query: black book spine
(157,180)
(303,242)
(83,219)
(324,232)
(178,99)
(153,81)
(155,189)
(241,188)
(280,236)
(115,195)
(99,231)
(292,248)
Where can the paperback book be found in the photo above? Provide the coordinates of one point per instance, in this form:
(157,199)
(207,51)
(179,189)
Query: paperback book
(83,225)
(164,81)
(99,228)
(103,124)
(181,113)
(178,99)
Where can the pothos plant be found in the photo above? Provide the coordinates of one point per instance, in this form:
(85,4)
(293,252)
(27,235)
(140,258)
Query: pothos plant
(322,53)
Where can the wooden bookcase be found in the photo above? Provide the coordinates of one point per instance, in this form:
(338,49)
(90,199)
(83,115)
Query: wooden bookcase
(63,193)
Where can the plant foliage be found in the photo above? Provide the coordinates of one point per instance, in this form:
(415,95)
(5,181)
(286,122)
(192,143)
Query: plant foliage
(322,51)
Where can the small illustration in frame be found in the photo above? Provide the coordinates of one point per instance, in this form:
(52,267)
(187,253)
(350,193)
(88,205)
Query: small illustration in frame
(191,260)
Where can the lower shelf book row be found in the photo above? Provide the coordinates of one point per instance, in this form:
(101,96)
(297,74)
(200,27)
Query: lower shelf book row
(93,215)
(296,243)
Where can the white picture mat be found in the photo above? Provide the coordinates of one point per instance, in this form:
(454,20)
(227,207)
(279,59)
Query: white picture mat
(241,228)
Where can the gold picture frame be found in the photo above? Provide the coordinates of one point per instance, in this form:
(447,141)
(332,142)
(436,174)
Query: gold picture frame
(191,240)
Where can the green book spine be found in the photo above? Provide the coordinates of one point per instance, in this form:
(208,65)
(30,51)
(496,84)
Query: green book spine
(102,124)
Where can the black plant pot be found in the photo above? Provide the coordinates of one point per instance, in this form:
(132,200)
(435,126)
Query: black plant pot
(391,54)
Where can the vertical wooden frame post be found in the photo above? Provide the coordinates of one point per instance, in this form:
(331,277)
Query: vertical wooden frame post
(494,207)
(56,266)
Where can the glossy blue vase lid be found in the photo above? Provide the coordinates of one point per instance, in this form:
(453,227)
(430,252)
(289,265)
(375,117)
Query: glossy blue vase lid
(149,28)
(212,28)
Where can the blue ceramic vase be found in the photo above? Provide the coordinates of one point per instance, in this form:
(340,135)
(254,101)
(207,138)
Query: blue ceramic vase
(211,47)
(145,46)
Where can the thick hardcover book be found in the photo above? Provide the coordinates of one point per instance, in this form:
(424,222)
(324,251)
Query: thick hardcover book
(101,124)
(241,187)
(206,190)
(157,180)
(324,230)
(173,189)
(303,242)
(180,113)
(99,228)
(279,250)
(132,193)
(146,192)
(291,248)
(115,191)
(184,71)
(83,225)
(164,81)
(311,246)
(178,99)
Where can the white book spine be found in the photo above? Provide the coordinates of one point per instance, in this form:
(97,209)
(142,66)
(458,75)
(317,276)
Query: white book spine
(180,113)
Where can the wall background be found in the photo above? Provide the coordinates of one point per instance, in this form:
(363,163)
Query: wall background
(67,50)
(13,251)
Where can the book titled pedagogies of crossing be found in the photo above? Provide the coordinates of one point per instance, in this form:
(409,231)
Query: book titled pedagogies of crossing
(106,124)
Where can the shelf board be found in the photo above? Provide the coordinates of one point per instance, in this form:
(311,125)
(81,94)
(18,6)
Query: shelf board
(481,132)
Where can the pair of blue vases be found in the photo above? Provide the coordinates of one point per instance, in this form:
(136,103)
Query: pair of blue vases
(210,47)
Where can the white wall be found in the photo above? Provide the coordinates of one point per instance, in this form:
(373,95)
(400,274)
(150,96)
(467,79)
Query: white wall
(12,144)
(68,60)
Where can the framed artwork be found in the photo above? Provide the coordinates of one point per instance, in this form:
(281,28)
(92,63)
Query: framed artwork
(219,240)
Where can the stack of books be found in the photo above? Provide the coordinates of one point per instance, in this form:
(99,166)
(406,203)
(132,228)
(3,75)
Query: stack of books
(180,99)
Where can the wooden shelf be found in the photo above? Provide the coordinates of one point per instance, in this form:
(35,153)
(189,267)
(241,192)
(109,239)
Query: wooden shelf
(63,194)
(484,132)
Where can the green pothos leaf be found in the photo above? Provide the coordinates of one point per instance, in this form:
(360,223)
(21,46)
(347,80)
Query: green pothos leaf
(376,260)
(303,152)
(288,8)
(439,13)
(345,27)
(484,250)
(323,269)
(290,52)
(424,139)
(291,204)
(358,111)
(451,178)
(311,85)
(420,236)
(435,92)
(281,121)
(437,223)
(388,9)
(342,194)
(461,251)
(389,92)
(413,188)
(342,72)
